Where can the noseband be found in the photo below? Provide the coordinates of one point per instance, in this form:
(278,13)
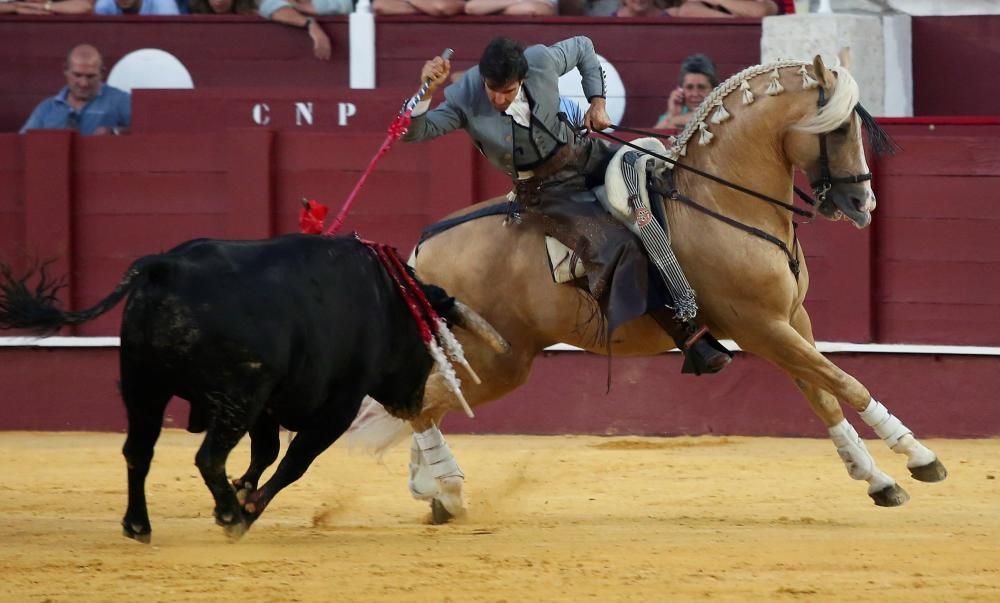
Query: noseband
(826,180)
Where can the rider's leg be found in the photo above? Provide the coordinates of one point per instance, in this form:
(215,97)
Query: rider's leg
(702,352)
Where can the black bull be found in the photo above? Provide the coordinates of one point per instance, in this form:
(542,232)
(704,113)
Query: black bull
(289,332)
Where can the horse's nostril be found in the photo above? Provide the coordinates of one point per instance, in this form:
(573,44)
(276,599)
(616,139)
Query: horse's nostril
(858,204)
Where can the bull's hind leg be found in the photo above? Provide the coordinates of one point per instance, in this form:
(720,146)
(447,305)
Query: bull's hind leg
(145,404)
(230,417)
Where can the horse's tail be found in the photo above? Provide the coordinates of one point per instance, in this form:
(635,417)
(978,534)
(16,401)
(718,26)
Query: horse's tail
(374,430)
(37,310)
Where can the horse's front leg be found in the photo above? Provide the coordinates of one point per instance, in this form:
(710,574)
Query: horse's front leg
(921,461)
(793,349)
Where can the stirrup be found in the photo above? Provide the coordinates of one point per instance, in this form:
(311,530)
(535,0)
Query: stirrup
(703,354)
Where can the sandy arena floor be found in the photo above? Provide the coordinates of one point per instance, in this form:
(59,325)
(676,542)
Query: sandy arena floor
(551,519)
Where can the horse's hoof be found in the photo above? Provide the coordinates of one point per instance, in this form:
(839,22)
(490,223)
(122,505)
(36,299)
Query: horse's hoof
(136,532)
(890,496)
(439,514)
(931,472)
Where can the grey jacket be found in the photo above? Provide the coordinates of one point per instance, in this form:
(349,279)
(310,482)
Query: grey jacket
(466,105)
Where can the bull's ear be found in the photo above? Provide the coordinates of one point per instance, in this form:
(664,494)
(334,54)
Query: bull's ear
(823,75)
(844,56)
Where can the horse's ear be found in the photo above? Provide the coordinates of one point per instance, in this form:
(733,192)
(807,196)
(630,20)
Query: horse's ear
(845,57)
(823,74)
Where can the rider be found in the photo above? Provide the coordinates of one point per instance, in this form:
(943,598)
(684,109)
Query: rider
(509,105)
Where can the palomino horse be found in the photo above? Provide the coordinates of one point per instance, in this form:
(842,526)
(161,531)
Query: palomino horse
(752,130)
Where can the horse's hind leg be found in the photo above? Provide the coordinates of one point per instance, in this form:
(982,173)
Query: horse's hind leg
(921,461)
(434,473)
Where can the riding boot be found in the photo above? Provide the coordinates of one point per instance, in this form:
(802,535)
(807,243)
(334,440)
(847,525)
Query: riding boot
(702,352)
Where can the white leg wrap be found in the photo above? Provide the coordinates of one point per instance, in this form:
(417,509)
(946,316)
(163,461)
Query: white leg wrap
(888,427)
(422,484)
(859,462)
(436,454)
(896,435)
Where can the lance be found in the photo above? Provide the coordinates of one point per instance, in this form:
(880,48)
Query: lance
(396,130)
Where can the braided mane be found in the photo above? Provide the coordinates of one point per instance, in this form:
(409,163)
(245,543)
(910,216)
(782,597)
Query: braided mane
(837,109)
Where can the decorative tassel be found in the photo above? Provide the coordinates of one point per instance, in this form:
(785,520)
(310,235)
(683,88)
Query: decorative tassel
(672,155)
(683,151)
(807,80)
(775,88)
(720,114)
(450,378)
(454,349)
(747,94)
(706,136)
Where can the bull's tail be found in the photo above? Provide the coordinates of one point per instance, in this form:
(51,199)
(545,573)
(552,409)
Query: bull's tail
(37,309)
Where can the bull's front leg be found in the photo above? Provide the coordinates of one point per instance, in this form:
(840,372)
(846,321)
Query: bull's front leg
(264,447)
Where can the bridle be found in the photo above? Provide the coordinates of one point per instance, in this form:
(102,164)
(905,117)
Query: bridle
(822,185)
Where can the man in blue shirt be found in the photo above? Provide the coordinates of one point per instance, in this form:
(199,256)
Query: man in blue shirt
(136,7)
(86,104)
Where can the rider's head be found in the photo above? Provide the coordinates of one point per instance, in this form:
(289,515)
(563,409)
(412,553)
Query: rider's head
(503,68)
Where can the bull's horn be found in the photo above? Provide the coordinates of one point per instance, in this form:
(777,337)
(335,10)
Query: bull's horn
(468,319)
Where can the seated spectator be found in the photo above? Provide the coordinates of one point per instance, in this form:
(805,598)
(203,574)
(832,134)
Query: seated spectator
(730,8)
(644,8)
(697,79)
(222,7)
(48,7)
(302,13)
(136,7)
(537,8)
(434,8)
(86,103)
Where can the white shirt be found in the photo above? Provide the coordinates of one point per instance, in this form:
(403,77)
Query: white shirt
(519,108)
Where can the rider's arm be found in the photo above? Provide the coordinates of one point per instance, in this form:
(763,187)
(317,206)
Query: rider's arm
(431,124)
(579,53)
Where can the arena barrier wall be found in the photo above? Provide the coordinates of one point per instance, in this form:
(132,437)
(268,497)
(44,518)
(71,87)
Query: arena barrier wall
(925,272)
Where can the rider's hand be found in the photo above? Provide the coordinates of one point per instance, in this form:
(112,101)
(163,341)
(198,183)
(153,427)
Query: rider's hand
(436,70)
(596,118)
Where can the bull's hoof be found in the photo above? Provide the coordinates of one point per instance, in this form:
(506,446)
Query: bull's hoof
(439,514)
(136,532)
(890,496)
(235,531)
(931,472)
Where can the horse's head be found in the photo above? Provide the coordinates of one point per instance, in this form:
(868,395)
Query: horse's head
(827,145)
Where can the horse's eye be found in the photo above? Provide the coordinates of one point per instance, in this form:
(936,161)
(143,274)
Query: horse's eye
(842,130)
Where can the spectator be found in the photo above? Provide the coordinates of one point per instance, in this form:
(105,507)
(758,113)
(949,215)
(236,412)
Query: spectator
(136,7)
(222,7)
(302,13)
(730,8)
(85,104)
(537,8)
(434,8)
(48,7)
(697,79)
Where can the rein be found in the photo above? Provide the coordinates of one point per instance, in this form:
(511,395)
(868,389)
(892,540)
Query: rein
(675,195)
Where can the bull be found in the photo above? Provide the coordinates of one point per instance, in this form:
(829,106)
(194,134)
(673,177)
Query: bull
(292,332)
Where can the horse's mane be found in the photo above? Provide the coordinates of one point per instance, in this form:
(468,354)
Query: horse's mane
(836,110)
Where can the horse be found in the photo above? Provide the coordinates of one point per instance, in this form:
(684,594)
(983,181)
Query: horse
(755,129)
